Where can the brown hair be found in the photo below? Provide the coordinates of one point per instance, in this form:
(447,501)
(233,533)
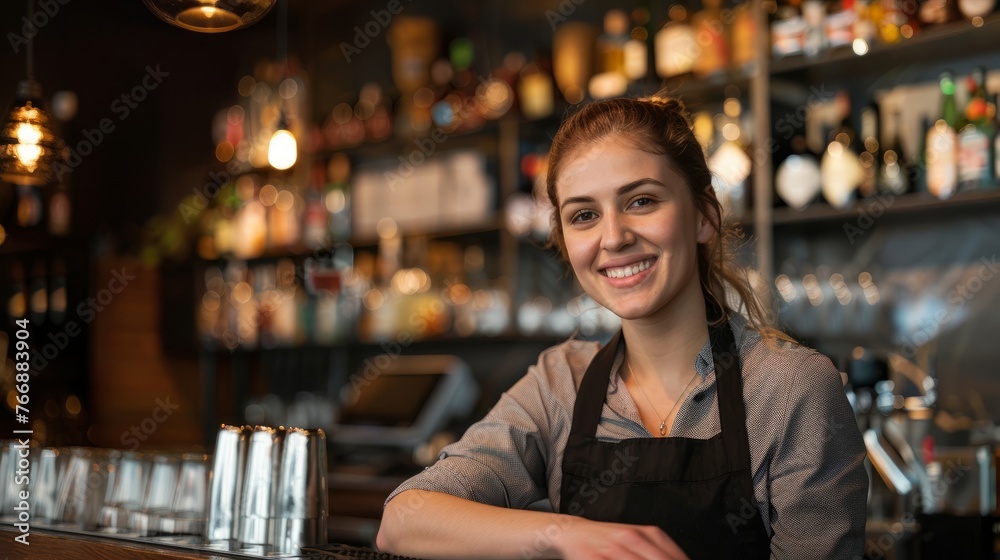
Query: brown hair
(660,125)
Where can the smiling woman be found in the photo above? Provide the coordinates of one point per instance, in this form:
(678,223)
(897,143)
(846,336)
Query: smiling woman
(758,454)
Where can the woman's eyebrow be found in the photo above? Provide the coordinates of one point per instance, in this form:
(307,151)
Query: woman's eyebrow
(624,189)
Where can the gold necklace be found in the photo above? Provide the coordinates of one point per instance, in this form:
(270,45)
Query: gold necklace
(663,421)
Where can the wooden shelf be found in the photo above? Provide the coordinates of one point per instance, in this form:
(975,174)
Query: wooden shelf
(907,203)
(937,43)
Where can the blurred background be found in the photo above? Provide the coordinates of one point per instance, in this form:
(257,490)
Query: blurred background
(250,226)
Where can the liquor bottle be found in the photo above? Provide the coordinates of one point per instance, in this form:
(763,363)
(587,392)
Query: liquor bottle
(730,164)
(611,44)
(868,156)
(942,144)
(535,92)
(636,63)
(894,172)
(936,12)
(744,34)
(839,24)
(676,45)
(610,79)
(572,58)
(973,9)
(787,32)
(975,135)
(713,36)
(814,14)
(797,180)
(840,167)
(337,197)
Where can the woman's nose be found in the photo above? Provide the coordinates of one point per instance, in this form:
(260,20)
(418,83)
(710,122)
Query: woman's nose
(617,233)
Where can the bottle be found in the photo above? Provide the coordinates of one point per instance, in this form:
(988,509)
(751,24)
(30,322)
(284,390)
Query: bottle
(676,45)
(713,37)
(942,144)
(935,12)
(610,79)
(976,131)
(798,180)
(730,164)
(839,24)
(898,20)
(840,167)
(744,35)
(894,172)
(611,44)
(868,155)
(814,14)
(636,62)
(973,9)
(337,197)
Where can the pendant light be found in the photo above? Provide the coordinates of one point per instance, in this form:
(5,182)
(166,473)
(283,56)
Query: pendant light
(210,16)
(29,149)
(282,150)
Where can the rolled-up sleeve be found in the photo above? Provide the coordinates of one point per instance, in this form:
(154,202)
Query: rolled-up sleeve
(500,460)
(818,483)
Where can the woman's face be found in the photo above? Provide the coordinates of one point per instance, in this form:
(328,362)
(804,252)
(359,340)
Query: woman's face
(630,228)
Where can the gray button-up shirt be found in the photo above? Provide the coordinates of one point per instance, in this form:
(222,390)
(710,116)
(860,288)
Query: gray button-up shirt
(806,451)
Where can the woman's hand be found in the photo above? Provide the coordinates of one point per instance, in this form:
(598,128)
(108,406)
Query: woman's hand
(583,539)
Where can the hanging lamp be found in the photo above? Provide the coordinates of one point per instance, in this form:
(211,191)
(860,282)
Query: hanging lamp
(210,16)
(29,148)
(282,150)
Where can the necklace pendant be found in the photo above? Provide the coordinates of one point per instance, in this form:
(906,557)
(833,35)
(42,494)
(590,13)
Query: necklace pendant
(663,428)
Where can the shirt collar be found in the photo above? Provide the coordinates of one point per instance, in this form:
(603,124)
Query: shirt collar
(703,363)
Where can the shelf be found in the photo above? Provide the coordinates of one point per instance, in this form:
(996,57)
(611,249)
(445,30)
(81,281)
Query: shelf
(415,343)
(690,88)
(301,251)
(22,243)
(945,42)
(907,203)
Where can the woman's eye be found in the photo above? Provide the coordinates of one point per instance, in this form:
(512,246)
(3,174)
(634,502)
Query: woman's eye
(582,216)
(642,201)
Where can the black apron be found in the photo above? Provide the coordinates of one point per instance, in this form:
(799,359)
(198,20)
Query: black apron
(700,492)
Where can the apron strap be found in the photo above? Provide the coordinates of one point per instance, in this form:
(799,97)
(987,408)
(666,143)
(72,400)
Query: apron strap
(593,392)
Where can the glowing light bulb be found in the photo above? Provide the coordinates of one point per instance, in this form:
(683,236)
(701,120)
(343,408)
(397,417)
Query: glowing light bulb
(282,150)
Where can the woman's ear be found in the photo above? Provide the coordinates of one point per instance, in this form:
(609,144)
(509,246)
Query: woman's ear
(709,219)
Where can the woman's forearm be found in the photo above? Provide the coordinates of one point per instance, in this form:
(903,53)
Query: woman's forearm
(436,525)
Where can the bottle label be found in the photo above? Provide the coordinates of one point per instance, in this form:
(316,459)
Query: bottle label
(973,156)
(942,168)
(676,50)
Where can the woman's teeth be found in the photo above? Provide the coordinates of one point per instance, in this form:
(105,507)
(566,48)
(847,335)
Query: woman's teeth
(626,271)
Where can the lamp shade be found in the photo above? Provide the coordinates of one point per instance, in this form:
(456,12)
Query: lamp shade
(210,16)
(29,149)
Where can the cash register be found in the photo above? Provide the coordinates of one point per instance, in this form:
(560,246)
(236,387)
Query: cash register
(392,408)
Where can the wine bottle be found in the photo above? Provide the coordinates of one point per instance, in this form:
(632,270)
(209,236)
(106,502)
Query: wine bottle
(974,137)
(713,36)
(868,155)
(676,45)
(942,144)
(894,172)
